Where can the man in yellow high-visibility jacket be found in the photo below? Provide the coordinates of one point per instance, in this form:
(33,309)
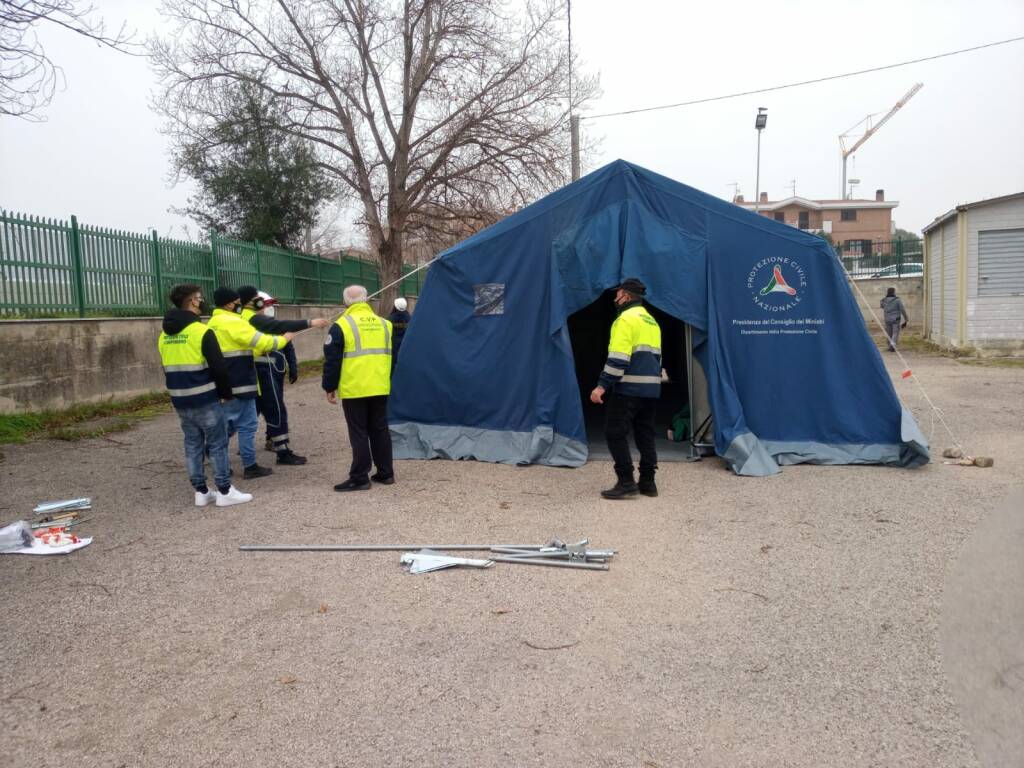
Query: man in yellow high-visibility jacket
(239,342)
(632,378)
(198,381)
(357,370)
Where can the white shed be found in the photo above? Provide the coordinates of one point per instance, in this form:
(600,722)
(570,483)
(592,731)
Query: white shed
(974,277)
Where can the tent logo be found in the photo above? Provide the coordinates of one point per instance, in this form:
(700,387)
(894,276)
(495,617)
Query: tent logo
(776,283)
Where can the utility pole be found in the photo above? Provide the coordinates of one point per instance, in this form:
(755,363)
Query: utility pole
(574,127)
(759,123)
(574,120)
(869,131)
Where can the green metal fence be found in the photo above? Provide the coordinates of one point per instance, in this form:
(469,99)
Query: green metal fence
(885,259)
(51,268)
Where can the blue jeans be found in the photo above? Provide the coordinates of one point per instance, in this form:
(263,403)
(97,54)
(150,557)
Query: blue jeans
(241,418)
(205,429)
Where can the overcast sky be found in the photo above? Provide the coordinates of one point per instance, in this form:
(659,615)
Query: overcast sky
(100,155)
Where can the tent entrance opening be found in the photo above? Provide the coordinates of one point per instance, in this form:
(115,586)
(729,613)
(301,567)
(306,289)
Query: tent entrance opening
(589,330)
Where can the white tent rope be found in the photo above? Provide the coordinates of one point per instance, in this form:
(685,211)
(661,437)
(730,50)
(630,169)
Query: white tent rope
(379,292)
(936,411)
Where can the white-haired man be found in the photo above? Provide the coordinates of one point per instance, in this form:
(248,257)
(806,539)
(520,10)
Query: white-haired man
(357,370)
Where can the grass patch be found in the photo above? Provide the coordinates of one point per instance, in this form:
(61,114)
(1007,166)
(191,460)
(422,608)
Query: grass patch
(915,342)
(82,421)
(311,367)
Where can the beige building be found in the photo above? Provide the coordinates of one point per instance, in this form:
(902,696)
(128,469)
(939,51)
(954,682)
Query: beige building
(974,276)
(854,224)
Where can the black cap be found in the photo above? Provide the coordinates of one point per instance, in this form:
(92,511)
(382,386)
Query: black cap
(224,296)
(634,286)
(247,293)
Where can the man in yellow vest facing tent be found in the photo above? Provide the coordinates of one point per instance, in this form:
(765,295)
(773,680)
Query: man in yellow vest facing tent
(239,341)
(198,381)
(357,370)
(632,378)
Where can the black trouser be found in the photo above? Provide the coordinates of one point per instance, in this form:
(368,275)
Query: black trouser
(369,436)
(623,412)
(270,404)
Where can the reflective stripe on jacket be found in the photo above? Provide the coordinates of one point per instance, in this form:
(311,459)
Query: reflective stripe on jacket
(633,366)
(185,368)
(366,361)
(239,341)
(247,315)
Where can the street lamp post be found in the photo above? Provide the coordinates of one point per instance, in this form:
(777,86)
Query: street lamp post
(759,123)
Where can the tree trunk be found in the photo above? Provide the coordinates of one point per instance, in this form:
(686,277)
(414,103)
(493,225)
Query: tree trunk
(389,265)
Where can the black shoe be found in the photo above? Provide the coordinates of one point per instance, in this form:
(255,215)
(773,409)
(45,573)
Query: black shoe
(647,487)
(255,470)
(290,458)
(352,485)
(621,491)
(269,445)
(379,478)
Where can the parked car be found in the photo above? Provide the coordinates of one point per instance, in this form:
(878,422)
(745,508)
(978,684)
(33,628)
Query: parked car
(910,269)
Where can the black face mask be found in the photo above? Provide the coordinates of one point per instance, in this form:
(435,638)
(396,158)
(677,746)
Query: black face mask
(204,308)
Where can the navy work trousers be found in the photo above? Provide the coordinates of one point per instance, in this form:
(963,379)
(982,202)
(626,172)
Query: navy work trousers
(270,404)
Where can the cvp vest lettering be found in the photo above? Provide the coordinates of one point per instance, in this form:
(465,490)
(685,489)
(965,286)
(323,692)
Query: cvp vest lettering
(366,363)
(186,372)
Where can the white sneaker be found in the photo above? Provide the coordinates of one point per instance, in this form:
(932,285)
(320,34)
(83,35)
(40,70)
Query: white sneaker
(202,499)
(233,496)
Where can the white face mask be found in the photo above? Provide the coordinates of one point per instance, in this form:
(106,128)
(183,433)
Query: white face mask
(270,311)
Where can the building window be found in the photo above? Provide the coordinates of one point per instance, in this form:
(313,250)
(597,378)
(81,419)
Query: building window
(780,216)
(805,220)
(848,214)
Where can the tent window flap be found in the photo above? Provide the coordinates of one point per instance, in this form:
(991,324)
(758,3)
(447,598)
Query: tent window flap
(489,299)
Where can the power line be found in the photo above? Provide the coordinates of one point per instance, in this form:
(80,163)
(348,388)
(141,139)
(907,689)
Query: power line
(802,82)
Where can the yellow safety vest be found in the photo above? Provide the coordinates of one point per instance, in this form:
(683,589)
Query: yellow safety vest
(366,363)
(239,341)
(186,371)
(247,315)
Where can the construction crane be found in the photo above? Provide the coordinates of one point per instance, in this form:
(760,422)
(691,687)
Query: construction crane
(870,129)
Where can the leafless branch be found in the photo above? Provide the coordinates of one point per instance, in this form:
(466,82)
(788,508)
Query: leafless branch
(28,77)
(436,116)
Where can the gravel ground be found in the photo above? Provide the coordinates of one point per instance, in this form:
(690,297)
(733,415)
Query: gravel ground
(787,621)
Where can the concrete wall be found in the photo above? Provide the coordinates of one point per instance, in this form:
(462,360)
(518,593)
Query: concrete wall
(910,289)
(58,363)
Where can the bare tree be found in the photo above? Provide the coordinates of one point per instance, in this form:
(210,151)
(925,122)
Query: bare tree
(28,77)
(418,108)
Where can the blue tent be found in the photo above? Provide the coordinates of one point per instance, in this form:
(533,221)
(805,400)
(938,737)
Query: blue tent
(487,368)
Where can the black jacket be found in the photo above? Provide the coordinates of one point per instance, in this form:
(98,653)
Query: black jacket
(272,325)
(334,351)
(177,320)
(399,324)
